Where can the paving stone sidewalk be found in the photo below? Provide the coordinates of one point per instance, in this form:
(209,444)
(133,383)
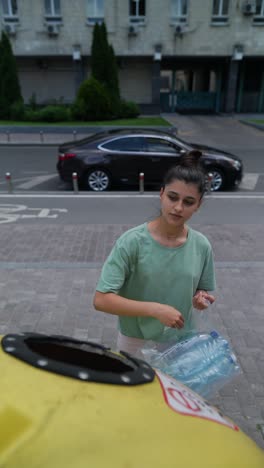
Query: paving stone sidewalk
(48,277)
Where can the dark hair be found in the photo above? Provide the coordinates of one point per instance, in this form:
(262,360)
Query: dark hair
(188,170)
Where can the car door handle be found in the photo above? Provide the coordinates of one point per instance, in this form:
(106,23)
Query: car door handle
(155,159)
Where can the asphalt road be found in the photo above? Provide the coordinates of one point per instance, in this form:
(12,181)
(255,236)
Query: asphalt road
(33,167)
(125,208)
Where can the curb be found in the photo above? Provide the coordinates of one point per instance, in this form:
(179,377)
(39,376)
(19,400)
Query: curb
(8,145)
(89,129)
(251,124)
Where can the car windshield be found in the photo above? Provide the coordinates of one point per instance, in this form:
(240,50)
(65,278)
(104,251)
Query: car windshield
(182,142)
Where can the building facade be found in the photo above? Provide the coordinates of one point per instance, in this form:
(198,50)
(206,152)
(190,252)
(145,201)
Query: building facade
(173,55)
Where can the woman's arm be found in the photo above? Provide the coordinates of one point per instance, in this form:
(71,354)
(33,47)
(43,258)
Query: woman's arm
(118,305)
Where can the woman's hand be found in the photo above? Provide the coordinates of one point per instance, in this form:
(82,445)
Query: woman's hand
(202,299)
(168,316)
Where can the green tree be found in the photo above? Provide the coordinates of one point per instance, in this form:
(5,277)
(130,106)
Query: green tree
(103,61)
(105,72)
(113,82)
(10,93)
(98,52)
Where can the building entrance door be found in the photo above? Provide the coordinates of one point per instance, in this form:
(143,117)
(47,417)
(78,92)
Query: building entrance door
(188,91)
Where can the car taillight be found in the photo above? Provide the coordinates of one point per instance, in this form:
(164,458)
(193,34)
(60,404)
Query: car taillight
(64,156)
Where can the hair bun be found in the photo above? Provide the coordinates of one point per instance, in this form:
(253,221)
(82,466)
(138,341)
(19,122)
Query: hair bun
(191,159)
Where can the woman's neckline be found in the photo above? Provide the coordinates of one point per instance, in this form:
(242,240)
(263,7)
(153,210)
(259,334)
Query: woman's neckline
(168,246)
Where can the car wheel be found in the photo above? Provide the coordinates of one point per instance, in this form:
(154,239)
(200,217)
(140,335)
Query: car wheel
(98,180)
(217,181)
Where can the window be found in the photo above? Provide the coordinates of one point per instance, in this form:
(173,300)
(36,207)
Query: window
(95,11)
(9,8)
(179,11)
(220,11)
(126,144)
(137,11)
(158,145)
(259,16)
(52,10)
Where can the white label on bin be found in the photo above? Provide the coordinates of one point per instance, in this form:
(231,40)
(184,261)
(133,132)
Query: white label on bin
(184,401)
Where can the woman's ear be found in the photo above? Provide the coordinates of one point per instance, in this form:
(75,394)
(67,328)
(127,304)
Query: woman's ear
(199,204)
(161,191)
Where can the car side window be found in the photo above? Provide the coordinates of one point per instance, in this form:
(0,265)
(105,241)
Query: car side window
(126,144)
(160,145)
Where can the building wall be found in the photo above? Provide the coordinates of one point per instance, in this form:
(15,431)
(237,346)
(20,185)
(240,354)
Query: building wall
(135,81)
(47,79)
(200,36)
(200,40)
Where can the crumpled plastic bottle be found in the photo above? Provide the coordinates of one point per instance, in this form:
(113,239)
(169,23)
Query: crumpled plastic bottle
(214,376)
(203,362)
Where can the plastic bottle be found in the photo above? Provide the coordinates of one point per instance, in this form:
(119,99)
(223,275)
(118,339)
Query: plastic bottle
(186,346)
(193,355)
(213,376)
(207,357)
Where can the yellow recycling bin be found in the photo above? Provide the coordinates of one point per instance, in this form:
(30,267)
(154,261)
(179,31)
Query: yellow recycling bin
(72,404)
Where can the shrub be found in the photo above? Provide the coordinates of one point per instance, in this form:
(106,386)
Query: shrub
(78,109)
(32,115)
(17,111)
(48,114)
(92,102)
(33,101)
(128,109)
(54,114)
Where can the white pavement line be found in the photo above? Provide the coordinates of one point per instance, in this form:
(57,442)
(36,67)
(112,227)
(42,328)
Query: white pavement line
(15,180)
(249,181)
(140,197)
(36,181)
(34,172)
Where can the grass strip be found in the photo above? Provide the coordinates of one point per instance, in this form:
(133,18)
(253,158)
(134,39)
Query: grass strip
(140,121)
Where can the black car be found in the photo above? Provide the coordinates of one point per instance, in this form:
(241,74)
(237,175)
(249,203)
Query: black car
(119,156)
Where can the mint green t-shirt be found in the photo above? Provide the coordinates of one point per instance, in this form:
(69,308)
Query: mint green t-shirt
(142,269)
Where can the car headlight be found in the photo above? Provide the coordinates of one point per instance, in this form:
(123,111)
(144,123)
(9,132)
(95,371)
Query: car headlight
(236,164)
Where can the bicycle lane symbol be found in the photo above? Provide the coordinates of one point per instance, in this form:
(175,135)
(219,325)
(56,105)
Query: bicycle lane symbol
(10,213)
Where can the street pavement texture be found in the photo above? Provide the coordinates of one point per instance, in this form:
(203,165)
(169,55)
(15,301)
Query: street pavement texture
(48,277)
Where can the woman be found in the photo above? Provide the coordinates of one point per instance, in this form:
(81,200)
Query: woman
(158,271)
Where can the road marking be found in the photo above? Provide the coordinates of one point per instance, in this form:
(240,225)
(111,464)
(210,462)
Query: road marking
(8,213)
(36,181)
(140,197)
(6,208)
(249,181)
(15,180)
(34,172)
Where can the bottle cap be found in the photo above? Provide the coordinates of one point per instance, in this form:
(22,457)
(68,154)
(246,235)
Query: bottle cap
(214,334)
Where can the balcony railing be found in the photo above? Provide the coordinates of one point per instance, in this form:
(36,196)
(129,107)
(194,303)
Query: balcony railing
(10,18)
(219,19)
(137,19)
